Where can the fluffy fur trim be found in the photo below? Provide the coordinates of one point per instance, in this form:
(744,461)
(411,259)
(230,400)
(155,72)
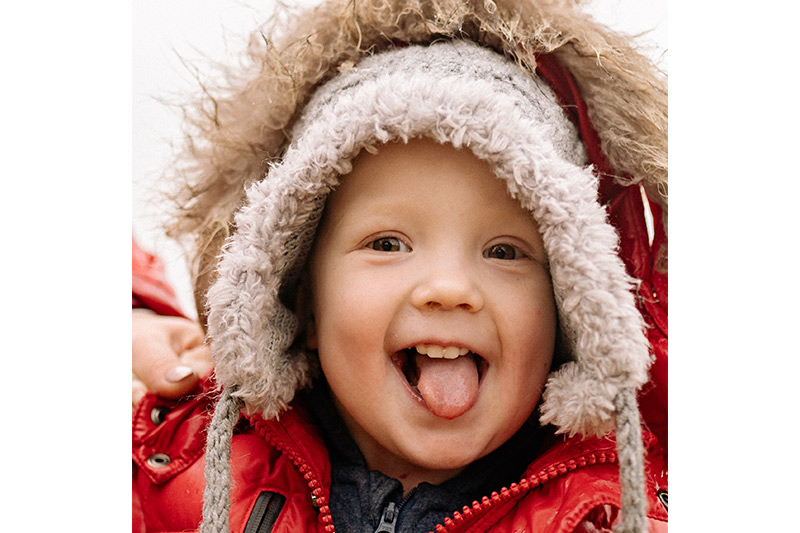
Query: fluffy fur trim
(462,94)
(240,121)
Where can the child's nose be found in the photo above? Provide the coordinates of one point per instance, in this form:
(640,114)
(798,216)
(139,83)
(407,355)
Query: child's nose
(448,287)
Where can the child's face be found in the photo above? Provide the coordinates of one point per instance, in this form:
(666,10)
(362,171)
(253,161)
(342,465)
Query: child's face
(422,245)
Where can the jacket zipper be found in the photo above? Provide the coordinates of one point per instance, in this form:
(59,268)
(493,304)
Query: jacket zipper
(517,490)
(265,512)
(478,509)
(391,514)
(318,499)
(388,519)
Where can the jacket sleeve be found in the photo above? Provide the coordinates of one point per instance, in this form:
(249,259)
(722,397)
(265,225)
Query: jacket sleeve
(150,289)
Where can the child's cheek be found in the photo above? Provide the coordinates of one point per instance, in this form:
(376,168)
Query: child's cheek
(353,309)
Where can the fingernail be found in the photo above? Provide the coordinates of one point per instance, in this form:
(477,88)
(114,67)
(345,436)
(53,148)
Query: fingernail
(178,373)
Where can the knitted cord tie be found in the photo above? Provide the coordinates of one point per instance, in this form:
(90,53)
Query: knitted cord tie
(216,496)
(631,463)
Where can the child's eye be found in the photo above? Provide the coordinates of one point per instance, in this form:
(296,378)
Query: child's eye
(503,251)
(388,244)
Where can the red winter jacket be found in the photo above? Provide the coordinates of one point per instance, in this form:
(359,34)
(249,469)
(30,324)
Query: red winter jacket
(282,467)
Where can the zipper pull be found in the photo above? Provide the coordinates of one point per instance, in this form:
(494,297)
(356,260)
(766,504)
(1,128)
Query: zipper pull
(389,519)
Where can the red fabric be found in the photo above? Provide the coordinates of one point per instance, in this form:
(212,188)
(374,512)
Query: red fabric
(288,457)
(572,486)
(150,288)
(642,260)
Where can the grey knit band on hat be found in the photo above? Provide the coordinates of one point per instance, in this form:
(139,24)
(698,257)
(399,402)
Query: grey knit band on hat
(457,93)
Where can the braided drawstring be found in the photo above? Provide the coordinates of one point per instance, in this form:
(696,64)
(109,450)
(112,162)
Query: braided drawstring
(631,463)
(216,497)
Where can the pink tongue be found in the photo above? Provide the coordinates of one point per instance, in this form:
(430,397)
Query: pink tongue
(448,386)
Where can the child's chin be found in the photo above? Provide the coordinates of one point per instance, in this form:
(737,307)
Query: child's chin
(447,455)
(436,469)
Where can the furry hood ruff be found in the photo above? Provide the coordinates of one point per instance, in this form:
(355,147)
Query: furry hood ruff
(452,92)
(284,124)
(240,123)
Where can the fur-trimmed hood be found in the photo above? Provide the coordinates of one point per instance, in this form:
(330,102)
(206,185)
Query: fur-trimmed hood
(267,149)
(458,93)
(240,125)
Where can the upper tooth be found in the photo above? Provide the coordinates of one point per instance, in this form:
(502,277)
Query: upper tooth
(438,352)
(451,352)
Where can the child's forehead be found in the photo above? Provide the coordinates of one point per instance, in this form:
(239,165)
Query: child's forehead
(407,171)
(424,181)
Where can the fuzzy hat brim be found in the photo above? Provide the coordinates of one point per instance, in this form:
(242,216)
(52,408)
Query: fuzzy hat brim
(451,92)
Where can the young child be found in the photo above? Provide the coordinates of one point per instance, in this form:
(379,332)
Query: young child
(421,317)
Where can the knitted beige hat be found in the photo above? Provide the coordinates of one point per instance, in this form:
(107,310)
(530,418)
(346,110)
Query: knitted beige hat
(458,93)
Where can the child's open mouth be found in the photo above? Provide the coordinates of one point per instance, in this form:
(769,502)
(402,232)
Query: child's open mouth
(445,378)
